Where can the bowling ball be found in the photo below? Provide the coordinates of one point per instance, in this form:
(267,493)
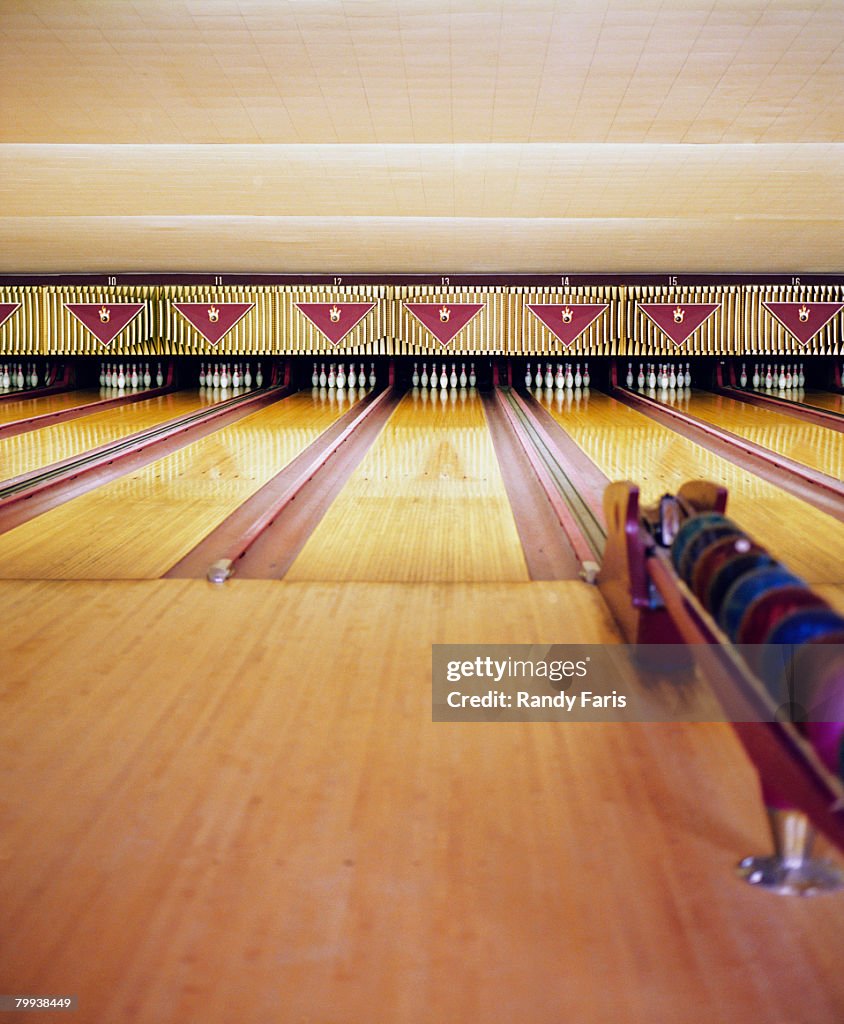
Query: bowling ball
(761,615)
(730,572)
(690,529)
(746,590)
(695,547)
(712,557)
(776,663)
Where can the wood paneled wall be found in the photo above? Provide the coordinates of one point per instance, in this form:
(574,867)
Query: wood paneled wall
(42,326)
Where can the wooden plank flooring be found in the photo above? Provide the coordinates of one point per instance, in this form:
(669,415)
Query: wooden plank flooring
(830,400)
(24,453)
(627,445)
(427,503)
(808,443)
(232,805)
(138,526)
(23,408)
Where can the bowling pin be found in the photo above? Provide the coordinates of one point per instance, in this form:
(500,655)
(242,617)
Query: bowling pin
(801,379)
(587,380)
(569,377)
(435,378)
(414,380)
(743,376)
(353,377)
(315,377)
(629,380)
(259,377)
(121,377)
(640,380)
(452,380)
(463,378)
(423,380)
(537,380)
(528,377)
(559,378)
(756,377)
(688,380)
(236,376)
(473,380)
(332,377)
(443,378)
(549,376)
(323,379)
(578,378)
(247,376)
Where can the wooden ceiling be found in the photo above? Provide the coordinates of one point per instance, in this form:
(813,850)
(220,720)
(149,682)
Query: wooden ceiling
(421,135)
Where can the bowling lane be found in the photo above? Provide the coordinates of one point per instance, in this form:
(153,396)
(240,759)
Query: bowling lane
(138,526)
(23,408)
(808,443)
(24,453)
(828,400)
(426,503)
(627,445)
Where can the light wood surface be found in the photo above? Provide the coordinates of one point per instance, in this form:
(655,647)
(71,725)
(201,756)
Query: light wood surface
(813,445)
(627,445)
(24,453)
(138,526)
(232,804)
(820,399)
(23,408)
(427,503)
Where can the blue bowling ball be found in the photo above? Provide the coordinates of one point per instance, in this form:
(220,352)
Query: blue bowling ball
(690,529)
(752,585)
(729,573)
(798,627)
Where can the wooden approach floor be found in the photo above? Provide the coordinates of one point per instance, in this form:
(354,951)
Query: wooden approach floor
(232,805)
(627,445)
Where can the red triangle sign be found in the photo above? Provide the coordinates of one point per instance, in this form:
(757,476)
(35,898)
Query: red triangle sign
(679,320)
(213,320)
(803,320)
(334,320)
(567,322)
(105,320)
(444,319)
(6,310)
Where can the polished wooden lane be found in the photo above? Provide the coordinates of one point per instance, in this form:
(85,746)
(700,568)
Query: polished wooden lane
(627,445)
(138,526)
(232,805)
(828,400)
(23,408)
(427,503)
(24,453)
(808,443)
